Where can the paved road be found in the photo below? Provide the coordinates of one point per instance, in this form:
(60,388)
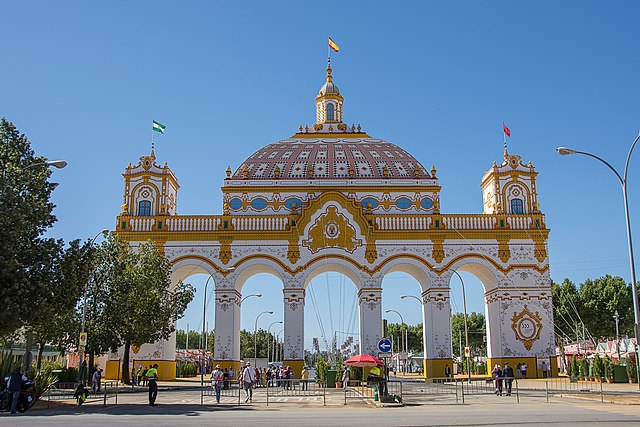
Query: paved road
(183,408)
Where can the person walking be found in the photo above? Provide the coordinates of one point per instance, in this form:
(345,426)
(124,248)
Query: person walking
(507,373)
(304,376)
(248,377)
(14,386)
(96,378)
(497,375)
(152,379)
(217,381)
(345,379)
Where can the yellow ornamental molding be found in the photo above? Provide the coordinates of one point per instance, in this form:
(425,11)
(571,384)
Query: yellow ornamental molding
(371,253)
(526,326)
(504,253)
(293,252)
(332,230)
(437,252)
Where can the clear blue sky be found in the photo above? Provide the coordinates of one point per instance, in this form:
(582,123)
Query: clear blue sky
(84,80)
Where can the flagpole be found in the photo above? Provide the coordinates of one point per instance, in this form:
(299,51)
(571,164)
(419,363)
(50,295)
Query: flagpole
(504,137)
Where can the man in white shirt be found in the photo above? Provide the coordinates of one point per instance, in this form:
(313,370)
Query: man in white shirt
(248,378)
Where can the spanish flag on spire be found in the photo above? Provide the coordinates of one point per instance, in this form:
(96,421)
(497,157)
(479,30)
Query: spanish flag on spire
(333,45)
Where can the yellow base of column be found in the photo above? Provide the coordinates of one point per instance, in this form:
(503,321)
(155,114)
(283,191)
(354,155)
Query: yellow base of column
(296,365)
(532,365)
(166,369)
(234,364)
(434,368)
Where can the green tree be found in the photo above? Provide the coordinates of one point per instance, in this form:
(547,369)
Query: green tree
(64,274)
(600,298)
(477,331)
(134,297)
(263,340)
(26,212)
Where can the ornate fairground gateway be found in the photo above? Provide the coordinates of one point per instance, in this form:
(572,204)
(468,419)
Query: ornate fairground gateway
(333,198)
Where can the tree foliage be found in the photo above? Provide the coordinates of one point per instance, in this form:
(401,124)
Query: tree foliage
(477,327)
(131,300)
(593,303)
(26,212)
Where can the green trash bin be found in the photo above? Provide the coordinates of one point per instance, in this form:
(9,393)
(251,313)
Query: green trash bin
(331,378)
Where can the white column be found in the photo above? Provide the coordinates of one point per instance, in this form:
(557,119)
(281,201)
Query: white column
(370,300)
(227,330)
(436,321)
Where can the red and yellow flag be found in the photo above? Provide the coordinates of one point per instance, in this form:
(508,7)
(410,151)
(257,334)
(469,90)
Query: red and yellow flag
(333,45)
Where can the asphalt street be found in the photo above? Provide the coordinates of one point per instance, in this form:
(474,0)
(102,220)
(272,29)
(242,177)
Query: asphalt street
(182,407)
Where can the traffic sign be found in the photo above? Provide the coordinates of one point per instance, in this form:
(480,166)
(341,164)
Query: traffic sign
(385,346)
(467,351)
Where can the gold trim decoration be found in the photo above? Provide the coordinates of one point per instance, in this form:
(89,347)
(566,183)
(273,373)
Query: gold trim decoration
(332,230)
(526,326)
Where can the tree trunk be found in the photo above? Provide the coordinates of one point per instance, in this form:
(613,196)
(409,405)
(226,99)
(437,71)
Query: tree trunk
(40,352)
(125,364)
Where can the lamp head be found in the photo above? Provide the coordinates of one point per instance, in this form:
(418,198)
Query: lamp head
(564,151)
(57,163)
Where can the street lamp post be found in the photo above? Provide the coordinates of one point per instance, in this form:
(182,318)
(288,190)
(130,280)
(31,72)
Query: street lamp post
(255,333)
(402,334)
(617,317)
(564,151)
(269,334)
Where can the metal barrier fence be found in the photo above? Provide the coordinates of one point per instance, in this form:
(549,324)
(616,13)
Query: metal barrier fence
(229,389)
(66,391)
(483,386)
(295,388)
(564,385)
(433,389)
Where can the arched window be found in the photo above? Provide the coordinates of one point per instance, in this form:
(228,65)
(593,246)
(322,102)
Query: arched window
(516,206)
(144,208)
(330,115)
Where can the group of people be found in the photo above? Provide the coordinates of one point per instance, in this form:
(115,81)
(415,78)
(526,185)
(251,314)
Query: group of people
(503,375)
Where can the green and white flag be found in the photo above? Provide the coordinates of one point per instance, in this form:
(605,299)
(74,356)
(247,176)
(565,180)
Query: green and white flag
(158,127)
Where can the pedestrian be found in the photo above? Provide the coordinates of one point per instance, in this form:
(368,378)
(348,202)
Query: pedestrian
(95,381)
(447,371)
(523,371)
(14,386)
(345,379)
(217,381)
(225,379)
(304,376)
(152,379)
(544,369)
(248,377)
(507,373)
(497,376)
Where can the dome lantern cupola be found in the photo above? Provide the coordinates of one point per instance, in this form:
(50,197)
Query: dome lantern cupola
(328,102)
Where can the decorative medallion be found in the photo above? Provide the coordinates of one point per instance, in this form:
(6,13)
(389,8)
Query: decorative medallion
(526,326)
(332,230)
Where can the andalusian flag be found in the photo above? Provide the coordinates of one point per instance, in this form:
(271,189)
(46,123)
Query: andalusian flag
(158,127)
(333,45)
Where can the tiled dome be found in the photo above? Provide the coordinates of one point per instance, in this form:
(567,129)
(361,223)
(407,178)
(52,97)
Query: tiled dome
(331,158)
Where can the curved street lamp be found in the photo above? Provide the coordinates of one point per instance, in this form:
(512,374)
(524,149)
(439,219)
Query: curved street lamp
(255,333)
(564,151)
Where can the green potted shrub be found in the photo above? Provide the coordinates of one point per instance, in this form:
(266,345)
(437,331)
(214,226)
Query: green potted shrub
(597,368)
(631,369)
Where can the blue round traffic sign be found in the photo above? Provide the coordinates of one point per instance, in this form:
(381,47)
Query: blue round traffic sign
(384,345)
